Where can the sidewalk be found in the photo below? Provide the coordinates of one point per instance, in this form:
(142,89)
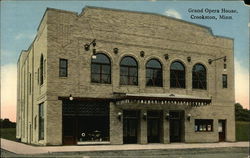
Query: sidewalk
(20,148)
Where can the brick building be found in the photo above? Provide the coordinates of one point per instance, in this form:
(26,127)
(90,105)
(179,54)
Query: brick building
(115,76)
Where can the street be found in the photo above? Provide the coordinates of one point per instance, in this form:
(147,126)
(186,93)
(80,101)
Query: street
(229,152)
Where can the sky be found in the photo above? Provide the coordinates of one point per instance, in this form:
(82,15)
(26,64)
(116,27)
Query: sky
(20,20)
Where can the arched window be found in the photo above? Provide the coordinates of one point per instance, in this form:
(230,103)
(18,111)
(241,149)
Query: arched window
(101,69)
(128,71)
(41,69)
(177,75)
(199,77)
(153,73)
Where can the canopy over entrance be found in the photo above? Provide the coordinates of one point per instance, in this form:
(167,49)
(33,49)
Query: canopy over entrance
(161,98)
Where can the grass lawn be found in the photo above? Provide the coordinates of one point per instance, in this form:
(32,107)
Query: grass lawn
(242,131)
(8,133)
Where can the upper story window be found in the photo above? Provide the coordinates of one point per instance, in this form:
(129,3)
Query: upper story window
(224,80)
(128,71)
(101,69)
(41,69)
(199,77)
(177,75)
(63,68)
(154,73)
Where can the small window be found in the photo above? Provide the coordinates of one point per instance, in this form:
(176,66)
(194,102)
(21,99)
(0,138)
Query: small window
(203,125)
(41,70)
(41,121)
(44,69)
(30,83)
(63,68)
(35,122)
(224,81)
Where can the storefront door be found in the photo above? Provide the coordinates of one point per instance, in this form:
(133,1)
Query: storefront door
(130,126)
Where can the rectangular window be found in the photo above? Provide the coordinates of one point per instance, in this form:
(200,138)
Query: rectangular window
(224,81)
(38,72)
(30,84)
(203,125)
(44,69)
(35,122)
(41,121)
(63,68)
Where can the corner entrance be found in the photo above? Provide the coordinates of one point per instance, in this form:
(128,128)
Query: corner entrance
(130,126)
(154,126)
(176,124)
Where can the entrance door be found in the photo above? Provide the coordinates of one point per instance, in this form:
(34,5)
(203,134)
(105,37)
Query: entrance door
(222,130)
(154,122)
(130,126)
(69,130)
(176,125)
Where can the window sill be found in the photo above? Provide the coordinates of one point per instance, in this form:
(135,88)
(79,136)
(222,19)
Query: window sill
(203,131)
(177,88)
(203,90)
(130,85)
(154,86)
(105,84)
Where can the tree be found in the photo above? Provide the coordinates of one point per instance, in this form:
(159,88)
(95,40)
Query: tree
(6,123)
(241,114)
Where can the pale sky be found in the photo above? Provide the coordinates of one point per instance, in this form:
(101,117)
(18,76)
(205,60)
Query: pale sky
(20,19)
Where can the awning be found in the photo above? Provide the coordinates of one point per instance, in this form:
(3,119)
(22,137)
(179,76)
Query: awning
(161,98)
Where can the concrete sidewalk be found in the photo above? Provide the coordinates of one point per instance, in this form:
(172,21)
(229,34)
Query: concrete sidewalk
(20,148)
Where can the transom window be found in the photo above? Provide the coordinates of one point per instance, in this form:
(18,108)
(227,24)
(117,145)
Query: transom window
(128,71)
(154,73)
(101,69)
(199,77)
(177,75)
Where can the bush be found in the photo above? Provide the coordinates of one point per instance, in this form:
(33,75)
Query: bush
(6,123)
(8,133)
(242,131)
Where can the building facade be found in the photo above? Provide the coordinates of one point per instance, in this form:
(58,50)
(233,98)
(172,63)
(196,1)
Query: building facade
(115,76)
